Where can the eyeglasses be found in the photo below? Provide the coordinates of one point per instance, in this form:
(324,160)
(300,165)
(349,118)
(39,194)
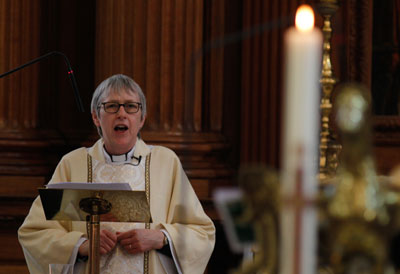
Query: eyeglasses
(113,107)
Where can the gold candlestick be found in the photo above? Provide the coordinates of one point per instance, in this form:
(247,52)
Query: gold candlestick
(328,148)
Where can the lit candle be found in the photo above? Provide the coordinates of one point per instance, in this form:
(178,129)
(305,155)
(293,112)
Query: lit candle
(300,149)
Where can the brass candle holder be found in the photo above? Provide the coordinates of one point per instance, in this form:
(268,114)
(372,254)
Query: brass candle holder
(328,148)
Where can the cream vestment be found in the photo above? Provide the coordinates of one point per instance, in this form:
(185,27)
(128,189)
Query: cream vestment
(174,208)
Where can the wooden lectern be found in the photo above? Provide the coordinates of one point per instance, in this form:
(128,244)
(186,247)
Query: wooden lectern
(87,201)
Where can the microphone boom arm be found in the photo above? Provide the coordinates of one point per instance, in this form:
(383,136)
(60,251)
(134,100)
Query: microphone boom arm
(70,74)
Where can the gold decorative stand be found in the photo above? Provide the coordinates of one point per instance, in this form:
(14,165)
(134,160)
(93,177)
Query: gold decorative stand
(358,218)
(329,148)
(67,204)
(94,206)
(258,182)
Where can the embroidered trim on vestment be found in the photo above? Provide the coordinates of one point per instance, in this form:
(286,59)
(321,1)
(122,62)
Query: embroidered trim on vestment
(147,188)
(89,180)
(89,173)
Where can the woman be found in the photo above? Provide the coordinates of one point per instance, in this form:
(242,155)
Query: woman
(180,228)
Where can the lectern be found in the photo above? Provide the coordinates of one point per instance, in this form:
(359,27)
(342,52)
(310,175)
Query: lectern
(87,202)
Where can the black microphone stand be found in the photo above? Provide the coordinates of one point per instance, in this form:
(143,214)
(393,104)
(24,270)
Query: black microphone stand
(70,74)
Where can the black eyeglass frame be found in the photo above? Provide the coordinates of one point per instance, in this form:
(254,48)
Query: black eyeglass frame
(119,106)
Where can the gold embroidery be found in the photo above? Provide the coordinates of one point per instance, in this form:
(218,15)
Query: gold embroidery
(147,188)
(89,180)
(147,177)
(89,166)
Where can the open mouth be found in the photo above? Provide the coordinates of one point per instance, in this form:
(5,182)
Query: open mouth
(120,128)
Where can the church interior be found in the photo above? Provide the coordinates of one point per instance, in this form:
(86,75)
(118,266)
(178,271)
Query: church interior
(214,75)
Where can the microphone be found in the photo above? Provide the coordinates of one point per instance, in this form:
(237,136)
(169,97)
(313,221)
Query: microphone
(136,158)
(70,74)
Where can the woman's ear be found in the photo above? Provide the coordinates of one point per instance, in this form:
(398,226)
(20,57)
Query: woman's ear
(95,119)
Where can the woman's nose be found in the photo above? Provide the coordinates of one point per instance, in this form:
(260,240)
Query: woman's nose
(121,111)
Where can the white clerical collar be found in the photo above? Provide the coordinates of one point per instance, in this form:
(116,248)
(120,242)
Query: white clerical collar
(119,159)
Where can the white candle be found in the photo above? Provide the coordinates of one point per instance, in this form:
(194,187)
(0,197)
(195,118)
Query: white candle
(301,141)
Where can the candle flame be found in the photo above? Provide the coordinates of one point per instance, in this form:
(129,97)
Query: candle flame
(304,18)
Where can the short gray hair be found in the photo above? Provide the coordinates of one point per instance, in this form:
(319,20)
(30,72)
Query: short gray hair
(117,83)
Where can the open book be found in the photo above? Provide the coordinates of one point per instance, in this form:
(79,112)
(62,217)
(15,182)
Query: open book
(90,186)
(63,201)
